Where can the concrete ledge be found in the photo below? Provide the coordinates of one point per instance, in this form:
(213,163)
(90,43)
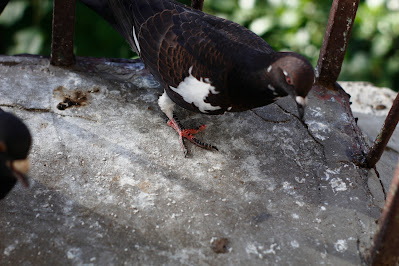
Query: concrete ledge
(110,184)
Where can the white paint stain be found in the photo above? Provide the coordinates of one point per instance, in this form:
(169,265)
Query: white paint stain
(288,188)
(319,129)
(345,118)
(341,245)
(10,248)
(294,244)
(271,249)
(213,239)
(196,91)
(259,250)
(330,172)
(252,249)
(338,185)
(345,33)
(300,180)
(74,253)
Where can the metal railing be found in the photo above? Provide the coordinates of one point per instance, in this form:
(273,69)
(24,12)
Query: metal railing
(63,33)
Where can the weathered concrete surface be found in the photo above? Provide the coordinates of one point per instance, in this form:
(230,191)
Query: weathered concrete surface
(110,184)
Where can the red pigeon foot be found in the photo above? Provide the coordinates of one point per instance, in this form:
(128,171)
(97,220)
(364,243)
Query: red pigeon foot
(189,135)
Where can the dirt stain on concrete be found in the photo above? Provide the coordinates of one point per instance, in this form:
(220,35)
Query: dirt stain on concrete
(72,97)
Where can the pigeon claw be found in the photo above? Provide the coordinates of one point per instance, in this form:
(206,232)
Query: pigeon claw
(189,135)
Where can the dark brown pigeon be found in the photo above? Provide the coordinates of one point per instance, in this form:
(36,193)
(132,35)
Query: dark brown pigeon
(15,142)
(205,64)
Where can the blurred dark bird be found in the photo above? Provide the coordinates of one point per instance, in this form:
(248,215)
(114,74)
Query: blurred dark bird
(15,142)
(205,64)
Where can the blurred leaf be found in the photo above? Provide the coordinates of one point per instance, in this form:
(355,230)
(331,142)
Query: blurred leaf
(261,25)
(225,6)
(246,4)
(13,12)
(289,18)
(381,44)
(29,40)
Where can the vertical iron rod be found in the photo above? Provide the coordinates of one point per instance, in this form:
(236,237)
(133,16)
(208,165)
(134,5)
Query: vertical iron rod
(197,4)
(375,153)
(63,33)
(336,39)
(386,242)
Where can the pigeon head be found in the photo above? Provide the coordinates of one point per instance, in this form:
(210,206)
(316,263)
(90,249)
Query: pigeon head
(15,142)
(293,73)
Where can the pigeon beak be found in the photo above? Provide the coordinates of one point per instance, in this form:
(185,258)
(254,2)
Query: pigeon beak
(301,103)
(20,168)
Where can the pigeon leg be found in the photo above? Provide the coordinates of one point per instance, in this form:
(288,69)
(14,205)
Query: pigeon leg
(167,105)
(189,135)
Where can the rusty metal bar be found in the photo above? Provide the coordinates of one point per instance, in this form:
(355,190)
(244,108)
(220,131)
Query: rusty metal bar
(375,153)
(386,242)
(197,4)
(63,33)
(336,39)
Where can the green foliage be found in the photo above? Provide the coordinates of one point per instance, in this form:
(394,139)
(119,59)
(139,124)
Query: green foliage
(23,27)
(296,25)
(299,25)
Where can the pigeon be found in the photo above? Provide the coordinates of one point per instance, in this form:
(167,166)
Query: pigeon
(205,64)
(15,142)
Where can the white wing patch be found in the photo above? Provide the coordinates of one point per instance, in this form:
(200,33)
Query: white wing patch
(136,41)
(195,91)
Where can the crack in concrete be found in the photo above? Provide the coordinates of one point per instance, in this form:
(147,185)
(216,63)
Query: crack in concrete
(303,123)
(362,256)
(319,194)
(36,110)
(324,159)
(363,259)
(61,141)
(44,110)
(382,185)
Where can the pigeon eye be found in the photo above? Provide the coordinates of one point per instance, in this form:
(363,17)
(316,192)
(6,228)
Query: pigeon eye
(289,80)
